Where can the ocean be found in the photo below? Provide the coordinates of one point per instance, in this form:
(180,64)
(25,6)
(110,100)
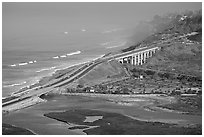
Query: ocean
(26,60)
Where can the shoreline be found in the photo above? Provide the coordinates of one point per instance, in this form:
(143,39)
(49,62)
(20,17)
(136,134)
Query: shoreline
(29,87)
(22,104)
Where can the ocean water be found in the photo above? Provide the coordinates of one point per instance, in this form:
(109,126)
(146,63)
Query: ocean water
(24,65)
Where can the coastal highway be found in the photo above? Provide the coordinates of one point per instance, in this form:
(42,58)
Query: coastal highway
(70,78)
(39,91)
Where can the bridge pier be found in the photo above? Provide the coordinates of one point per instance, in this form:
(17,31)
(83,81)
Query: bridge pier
(132,60)
(139,57)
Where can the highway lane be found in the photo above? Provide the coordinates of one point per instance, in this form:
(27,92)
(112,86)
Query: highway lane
(38,92)
(72,77)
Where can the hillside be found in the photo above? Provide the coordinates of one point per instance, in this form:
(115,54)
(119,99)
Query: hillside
(178,56)
(172,23)
(101,73)
(180,36)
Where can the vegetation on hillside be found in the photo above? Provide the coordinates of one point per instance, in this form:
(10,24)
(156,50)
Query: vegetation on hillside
(186,22)
(180,39)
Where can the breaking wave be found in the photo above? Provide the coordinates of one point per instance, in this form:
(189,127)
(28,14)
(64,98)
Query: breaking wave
(74,53)
(23,63)
(63,56)
(34,61)
(16,84)
(68,54)
(56,57)
(45,69)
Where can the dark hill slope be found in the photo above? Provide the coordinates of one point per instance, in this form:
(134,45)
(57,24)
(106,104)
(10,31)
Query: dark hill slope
(180,37)
(179,58)
(173,25)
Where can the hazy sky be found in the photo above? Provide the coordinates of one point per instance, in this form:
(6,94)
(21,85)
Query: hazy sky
(21,19)
(43,14)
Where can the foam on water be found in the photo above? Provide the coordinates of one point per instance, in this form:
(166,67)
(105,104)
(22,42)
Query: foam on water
(15,84)
(45,69)
(45,55)
(56,57)
(63,56)
(23,63)
(13,65)
(68,54)
(33,74)
(74,53)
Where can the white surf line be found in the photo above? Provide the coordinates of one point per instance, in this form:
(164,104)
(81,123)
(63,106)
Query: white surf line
(30,62)
(74,53)
(68,54)
(28,86)
(25,91)
(81,63)
(56,57)
(16,84)
(63,56)
(23,63)
(13,65)
(53,67)
(44,69)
